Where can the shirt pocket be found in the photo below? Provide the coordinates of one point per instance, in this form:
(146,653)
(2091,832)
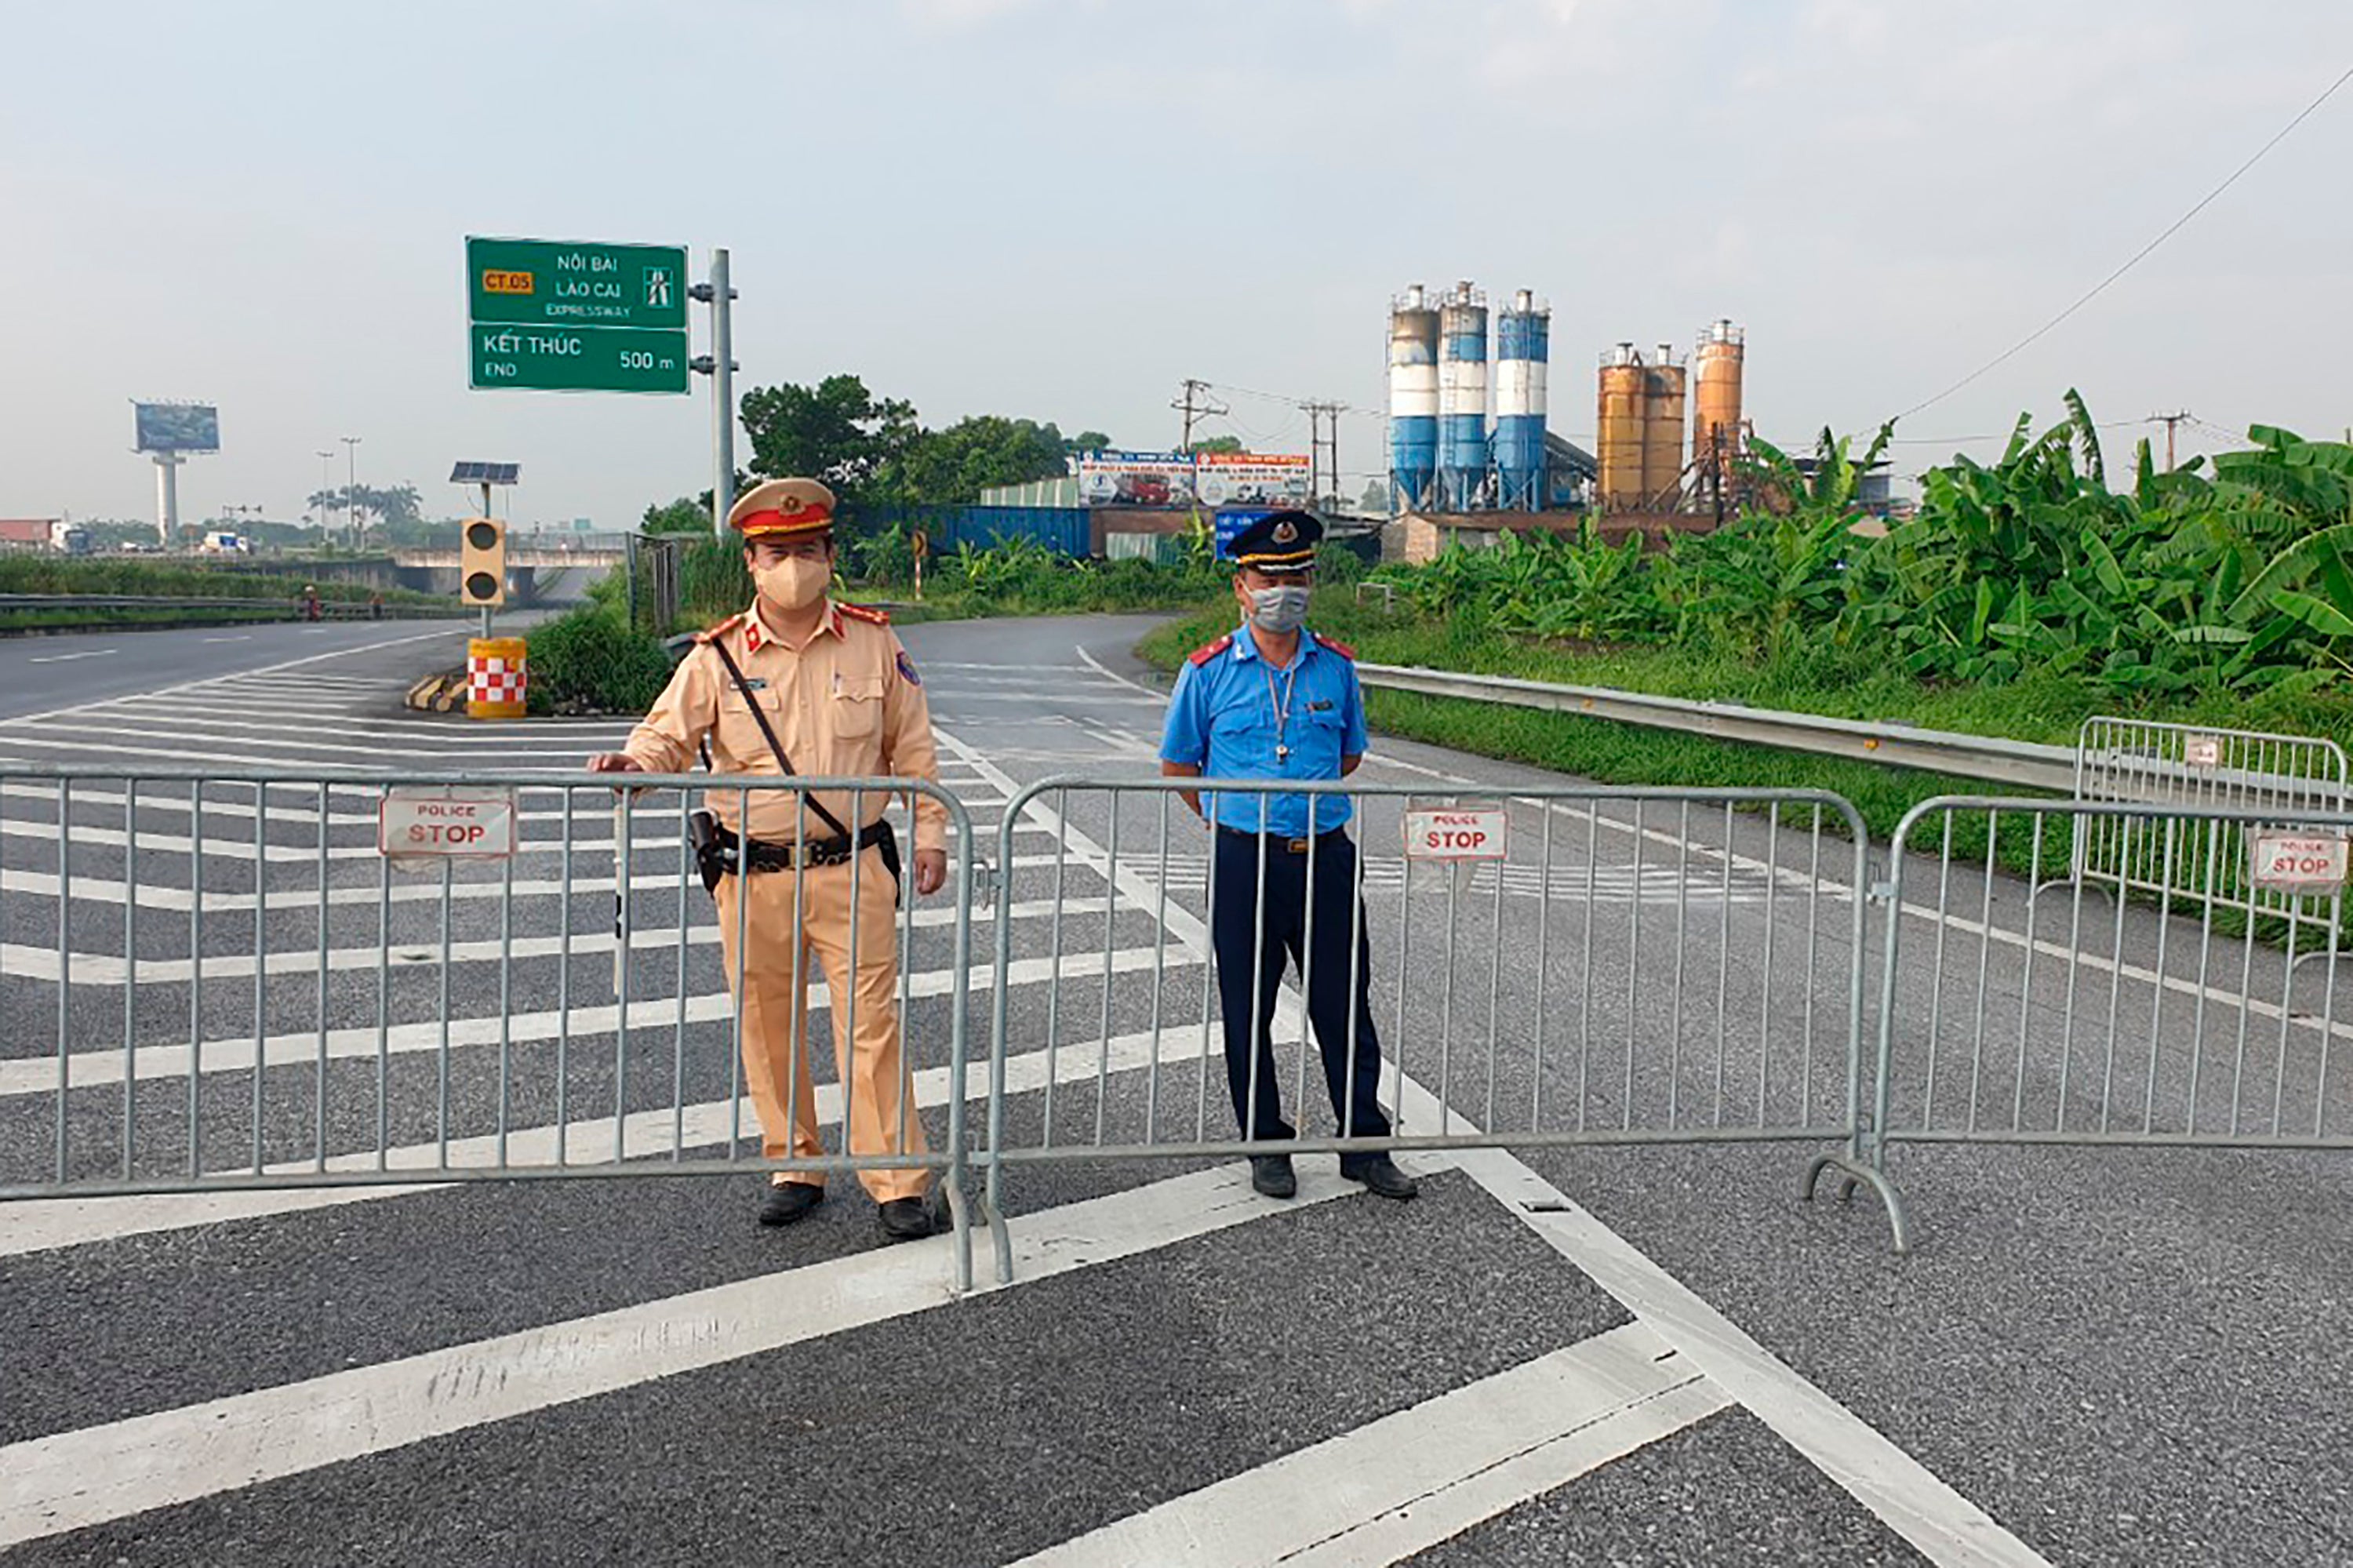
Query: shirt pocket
(857,706)
(739,730)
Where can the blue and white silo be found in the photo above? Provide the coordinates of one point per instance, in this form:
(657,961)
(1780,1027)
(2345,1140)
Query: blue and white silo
(1462,399)
(1413,402)
(1523,338)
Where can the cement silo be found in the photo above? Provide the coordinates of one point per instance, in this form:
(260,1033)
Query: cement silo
(1662,431)
(1413,402)
(1523,343)
(1462,398)
(1618,485)
(1715,375)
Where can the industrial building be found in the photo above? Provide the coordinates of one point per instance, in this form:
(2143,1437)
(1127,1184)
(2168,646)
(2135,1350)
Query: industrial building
(1471,456)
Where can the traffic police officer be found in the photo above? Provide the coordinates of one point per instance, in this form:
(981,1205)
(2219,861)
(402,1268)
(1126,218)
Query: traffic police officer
(841,699)
(1274,701)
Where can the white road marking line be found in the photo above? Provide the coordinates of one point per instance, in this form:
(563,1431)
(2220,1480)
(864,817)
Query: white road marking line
(1948,1527)
(241,637)
(1096,665)
(206,681)
(1901,1491)
(70,658)
(21,1075)
(415,950)
(71,1480)
(45,1224)
(1409,1480)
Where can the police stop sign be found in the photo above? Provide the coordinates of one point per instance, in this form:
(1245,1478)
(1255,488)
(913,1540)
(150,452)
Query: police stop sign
(447,824)
(2298,862)
(1457,832)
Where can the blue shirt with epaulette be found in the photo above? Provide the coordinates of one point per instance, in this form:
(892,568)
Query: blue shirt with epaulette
(1225,718)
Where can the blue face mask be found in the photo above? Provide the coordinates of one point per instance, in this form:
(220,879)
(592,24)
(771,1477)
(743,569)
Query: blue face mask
(1279,610)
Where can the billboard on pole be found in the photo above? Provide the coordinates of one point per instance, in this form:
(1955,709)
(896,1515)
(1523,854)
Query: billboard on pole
(1184,479)
(177,427)
(1135,479)
(1251,479)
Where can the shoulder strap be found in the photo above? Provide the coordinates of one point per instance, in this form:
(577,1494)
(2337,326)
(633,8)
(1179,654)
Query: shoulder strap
(719,646)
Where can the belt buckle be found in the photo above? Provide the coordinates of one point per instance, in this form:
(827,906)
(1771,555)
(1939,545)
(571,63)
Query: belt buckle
(1296,846)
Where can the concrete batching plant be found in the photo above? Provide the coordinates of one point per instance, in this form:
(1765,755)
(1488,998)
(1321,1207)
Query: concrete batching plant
(1449,456)
(1523,343)
(1413,401)
(1462,400)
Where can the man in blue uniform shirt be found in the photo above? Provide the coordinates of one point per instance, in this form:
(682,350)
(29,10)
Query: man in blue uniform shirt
(1273,700)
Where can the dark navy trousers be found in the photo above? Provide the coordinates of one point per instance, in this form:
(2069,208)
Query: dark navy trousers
(1250,975)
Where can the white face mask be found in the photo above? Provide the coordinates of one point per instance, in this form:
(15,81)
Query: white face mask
(793,582)
(1280,611)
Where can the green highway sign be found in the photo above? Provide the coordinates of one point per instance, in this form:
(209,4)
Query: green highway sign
(558,284)
(549,315)
(578,359)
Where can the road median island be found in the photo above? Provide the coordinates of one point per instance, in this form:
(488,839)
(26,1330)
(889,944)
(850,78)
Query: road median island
(1833,683)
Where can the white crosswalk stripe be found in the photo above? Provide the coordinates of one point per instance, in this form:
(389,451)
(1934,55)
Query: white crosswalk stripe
(1377,1493)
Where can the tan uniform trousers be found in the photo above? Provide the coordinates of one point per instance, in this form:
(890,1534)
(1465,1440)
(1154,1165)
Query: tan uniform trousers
(772,1001)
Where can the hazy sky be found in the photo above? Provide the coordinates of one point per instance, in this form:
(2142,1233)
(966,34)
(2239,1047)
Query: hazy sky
(1061,209)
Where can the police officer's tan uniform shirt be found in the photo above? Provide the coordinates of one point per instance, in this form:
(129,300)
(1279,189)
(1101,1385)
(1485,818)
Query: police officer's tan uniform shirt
(849,706)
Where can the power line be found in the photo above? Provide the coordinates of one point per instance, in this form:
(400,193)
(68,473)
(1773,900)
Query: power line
(2167,233)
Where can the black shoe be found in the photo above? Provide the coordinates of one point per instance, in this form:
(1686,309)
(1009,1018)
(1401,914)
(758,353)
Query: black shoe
(789,1201)
(1380,1173)
(1271,1175)
(908,1219)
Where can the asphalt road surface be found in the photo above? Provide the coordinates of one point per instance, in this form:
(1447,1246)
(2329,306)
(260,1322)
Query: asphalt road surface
(1646,1354)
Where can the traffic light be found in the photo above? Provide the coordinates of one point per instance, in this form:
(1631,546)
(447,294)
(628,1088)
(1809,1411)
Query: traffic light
(482,563)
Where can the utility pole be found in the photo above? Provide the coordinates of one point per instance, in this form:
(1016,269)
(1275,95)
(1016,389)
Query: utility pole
(352,487)
(2168,421)
(721,366)
(326,489)
(1197,404)
(1323,438)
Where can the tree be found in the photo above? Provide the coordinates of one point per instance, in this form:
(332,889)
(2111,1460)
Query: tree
(1086,442)
(1218,444)
(398,507)
(1375,502)
(955,464)
(836,431)
(679,516)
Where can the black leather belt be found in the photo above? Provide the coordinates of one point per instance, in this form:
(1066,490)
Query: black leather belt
(764,855)
(1278,842)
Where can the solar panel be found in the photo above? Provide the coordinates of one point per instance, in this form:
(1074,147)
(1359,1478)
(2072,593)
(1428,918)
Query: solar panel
(470,472)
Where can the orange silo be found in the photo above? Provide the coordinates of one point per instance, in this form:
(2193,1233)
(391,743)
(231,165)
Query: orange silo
(1618,487)
(1715,371)
(1662,431)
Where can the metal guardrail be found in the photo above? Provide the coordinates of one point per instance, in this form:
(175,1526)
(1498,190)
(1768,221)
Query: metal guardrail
(289,605)
(2024,764)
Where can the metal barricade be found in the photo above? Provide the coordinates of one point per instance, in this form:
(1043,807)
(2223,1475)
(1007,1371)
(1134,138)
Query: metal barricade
(2012,1012)
(214,981)
(2141,761)
(1574,965)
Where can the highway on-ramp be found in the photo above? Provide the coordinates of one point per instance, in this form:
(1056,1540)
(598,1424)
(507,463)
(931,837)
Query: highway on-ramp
(1640,1355)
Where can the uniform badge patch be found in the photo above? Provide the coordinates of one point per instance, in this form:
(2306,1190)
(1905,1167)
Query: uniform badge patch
(907,670)
(1284,533)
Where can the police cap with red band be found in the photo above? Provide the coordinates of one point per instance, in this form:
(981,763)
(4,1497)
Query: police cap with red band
(782,508)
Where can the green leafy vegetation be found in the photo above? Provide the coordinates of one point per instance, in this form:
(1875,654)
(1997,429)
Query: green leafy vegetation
(591,660)
(2021,598)
(53,574)
(876,450)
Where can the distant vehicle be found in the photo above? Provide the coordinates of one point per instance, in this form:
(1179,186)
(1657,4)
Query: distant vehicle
(221,543)
(74,540)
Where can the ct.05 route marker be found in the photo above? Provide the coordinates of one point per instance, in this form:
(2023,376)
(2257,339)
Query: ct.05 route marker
(560,316)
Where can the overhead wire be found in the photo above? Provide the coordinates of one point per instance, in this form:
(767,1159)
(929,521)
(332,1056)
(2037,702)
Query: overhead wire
(2166,233)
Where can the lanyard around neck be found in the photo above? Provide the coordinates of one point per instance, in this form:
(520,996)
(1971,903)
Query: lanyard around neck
(1281,706)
